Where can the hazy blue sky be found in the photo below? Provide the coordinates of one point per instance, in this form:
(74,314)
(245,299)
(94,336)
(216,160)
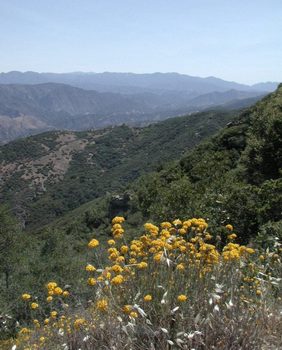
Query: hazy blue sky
(237,40)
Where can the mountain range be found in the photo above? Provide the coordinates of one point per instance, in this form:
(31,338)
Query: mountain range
(131,83)
(31,102)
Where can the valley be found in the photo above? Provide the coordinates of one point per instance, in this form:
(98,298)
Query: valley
(31,103)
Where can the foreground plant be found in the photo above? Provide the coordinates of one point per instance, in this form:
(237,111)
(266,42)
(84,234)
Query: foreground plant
(175,287)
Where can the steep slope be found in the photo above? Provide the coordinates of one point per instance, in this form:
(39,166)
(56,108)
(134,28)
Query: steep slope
(47,175)
(222,98)
(234,177)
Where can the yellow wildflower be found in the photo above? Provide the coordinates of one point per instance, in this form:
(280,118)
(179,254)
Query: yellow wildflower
(208,237)
(34,306)
(181,298)
(166,224)
(124,249)
(117,268)
(90,268)
(118,220)
(180,267)
(91,281)
(232,236)
(26,296)
(79,322)
(142,265)
(51,285)
(102,305)
(53,314)
(182,231)
(36,323)
(127,309)
(177,222)
(148,298)
(117,280)
(158,257)
(120,259)
(58,291)
(93,243)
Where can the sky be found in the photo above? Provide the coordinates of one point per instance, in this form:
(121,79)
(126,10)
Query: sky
(238,40)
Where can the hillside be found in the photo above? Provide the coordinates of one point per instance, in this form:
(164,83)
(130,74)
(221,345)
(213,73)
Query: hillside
(47,175)
(233,177)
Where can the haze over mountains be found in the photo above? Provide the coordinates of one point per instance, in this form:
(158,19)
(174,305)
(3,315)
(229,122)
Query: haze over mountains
(133,83)
(33,102)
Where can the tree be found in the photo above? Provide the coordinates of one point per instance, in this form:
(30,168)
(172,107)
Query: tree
(9,231)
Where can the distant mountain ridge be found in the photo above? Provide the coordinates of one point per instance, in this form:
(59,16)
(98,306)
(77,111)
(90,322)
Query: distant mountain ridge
(133,83)
(32,102)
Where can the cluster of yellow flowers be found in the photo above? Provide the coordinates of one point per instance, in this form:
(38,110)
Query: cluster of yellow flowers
(179,243)
(176,244)
(27,297)
(171,249)
(54,289)
(234,251)
(117,229)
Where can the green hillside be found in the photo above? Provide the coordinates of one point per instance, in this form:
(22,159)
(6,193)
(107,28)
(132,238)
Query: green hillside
(233,177)
(45,176)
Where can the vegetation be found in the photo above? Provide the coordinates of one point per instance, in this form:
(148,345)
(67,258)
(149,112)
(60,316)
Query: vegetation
(235,176)
(95,163)
(231,180)
(176,286)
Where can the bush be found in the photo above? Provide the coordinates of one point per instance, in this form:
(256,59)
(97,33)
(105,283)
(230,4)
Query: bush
(173,287)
